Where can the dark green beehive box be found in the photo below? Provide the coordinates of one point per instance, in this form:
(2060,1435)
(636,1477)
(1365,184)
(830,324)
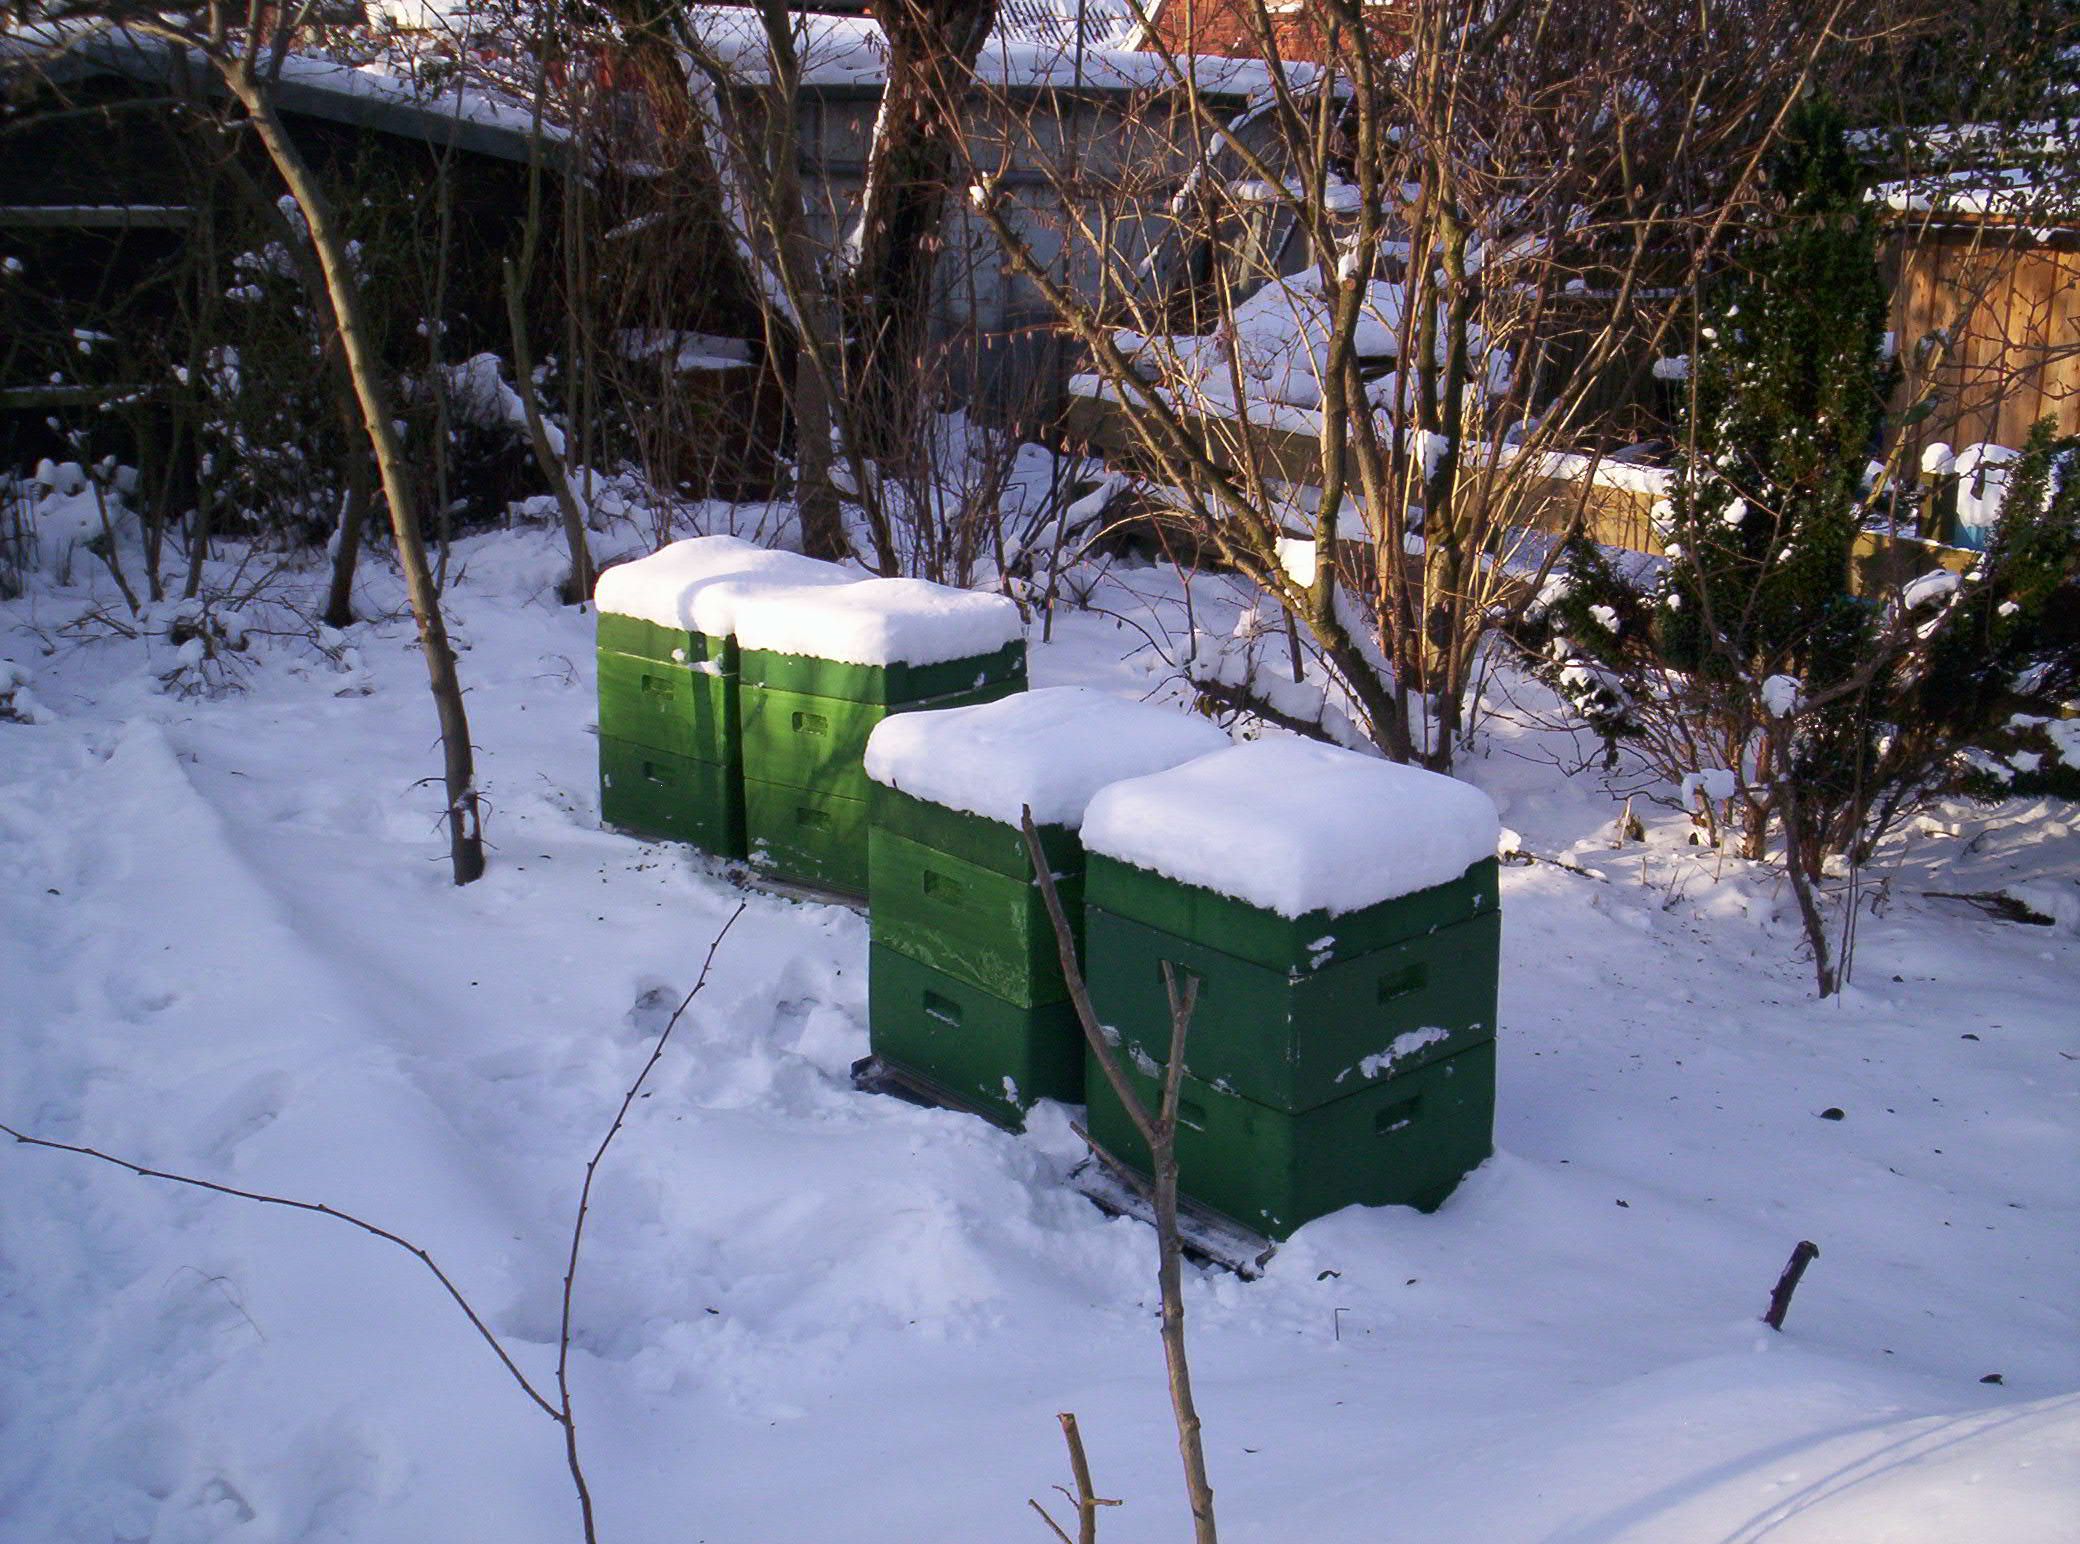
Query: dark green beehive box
(806,836)
(982,922)
(805,791)
(816,741)
(683,709)
(955,893)
(818,670)
(668,645)
(1303,944)
(986,1053)
(669,723)
(1404,1142)
(1380,993)
(1340,917)
(1003,668)
(649,792)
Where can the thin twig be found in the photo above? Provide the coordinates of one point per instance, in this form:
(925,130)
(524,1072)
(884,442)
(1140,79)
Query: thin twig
(1051,1523)
(561,1411)
(144,1171)
(570,1274)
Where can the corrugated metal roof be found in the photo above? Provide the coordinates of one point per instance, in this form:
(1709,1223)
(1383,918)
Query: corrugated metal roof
(1104,23)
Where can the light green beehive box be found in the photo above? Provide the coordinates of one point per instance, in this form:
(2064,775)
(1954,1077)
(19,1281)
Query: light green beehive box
(1341,919)
(818,670)
(671,762)
(966,990)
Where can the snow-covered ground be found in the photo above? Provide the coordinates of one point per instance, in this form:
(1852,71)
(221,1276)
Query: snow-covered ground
(228,946)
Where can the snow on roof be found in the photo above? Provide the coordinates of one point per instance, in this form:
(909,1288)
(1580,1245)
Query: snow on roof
(697,584)
(1103,23)
(875,622)
(1279,337)
(314,85)
(1050,749)
(2013,194)
(1208,398)
(1294,827)
(837,51)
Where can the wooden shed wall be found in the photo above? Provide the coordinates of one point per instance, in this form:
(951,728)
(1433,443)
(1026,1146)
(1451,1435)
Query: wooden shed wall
(2016,356)
(1004,351)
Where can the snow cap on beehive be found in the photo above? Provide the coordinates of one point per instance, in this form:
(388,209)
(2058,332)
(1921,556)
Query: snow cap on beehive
(877,622)
(694,585)
(1294,827)
(1051,749)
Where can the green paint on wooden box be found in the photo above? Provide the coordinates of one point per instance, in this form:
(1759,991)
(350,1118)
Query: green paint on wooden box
(677,708)
(972,923)
(1005,670)
(1405,1142)
(990,843)
(1295,1041)
(809,836)
(674,646)
(812,741)
(976,1046)
(654,793)
(1299,944)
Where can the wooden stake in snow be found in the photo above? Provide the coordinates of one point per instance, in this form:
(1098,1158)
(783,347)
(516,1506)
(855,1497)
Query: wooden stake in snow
(1780,1298)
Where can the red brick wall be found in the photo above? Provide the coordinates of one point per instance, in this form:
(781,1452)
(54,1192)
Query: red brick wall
(1228,27)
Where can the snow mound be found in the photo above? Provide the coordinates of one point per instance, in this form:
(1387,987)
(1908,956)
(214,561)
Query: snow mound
(1295,827)
(696,584)
(876,622)
(1050,749)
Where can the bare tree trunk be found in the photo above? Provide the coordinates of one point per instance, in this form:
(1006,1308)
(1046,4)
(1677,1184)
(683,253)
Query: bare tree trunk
(932,45)
(579,588)
(339,599)
(1158,1130)
(819,342)
(816,496)
(1799,849)
(717,279)
(465,828)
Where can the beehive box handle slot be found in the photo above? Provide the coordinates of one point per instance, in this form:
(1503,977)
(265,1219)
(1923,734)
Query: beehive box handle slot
(1405,981)
(1398,1116)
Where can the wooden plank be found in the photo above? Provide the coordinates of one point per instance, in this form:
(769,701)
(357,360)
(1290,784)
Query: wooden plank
(96,217)
(1612,515)
(30,398)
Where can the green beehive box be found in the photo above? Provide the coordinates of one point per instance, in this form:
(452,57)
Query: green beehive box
(815,741)
(1403,1142)
(650,792)
(1003,669)
(678,708)
(1295,1038)
(1300,945)
(992,1055)
(976,924)
(991,844)
(668,645)
(806,836)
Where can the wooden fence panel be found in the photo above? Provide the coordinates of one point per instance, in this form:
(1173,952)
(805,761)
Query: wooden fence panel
(2013,305)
